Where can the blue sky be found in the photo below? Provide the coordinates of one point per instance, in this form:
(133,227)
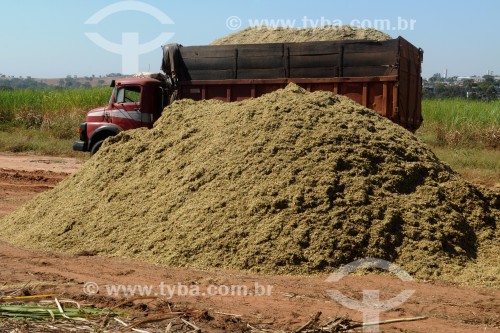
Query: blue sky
(47,38)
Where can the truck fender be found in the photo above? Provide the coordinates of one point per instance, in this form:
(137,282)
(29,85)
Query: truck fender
(102,133)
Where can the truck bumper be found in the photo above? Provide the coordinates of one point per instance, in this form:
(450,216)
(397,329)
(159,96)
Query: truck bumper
(80,146)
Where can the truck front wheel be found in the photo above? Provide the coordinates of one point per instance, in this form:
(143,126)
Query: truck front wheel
(96,147)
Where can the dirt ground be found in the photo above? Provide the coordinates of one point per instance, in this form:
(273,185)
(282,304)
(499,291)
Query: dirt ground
(213,301)
(22,177)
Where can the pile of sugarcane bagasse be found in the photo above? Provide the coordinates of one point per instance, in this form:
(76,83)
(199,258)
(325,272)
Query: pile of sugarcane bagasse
(255,35)
(292,182)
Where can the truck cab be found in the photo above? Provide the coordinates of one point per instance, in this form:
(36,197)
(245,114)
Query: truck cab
(135,102)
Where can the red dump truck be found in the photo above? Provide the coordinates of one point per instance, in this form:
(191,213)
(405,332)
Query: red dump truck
(382,75)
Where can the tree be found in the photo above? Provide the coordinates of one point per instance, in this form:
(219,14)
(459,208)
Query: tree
(452,79)
(442,90)
(489,79)
(436,78)
(469,84)
(486,90)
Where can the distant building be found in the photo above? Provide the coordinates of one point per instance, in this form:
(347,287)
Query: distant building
(474,78)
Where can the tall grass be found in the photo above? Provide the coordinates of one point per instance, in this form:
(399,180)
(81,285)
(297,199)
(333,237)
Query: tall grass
(58,111)
(466,135)
(20,140)
(461,123)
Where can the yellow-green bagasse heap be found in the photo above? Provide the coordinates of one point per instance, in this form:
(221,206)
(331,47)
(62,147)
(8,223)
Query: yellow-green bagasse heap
(291,182)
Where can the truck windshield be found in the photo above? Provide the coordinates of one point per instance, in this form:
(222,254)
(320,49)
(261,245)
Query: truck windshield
(129,94)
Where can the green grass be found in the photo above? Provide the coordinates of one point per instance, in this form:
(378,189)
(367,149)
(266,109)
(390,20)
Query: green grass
(36,141)
(45,121)
(56,110)
(466,135)
(461,123)
(477,165)
(42,102)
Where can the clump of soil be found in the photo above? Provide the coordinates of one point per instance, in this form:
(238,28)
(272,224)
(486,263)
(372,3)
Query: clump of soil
(255,35)
(291,182)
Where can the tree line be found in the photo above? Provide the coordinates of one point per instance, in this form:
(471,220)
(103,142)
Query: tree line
(439,87)
(11,83)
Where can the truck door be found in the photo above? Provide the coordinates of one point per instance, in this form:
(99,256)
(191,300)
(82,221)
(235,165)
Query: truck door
(126,111)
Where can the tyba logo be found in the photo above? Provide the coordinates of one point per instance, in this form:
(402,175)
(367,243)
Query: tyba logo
(129,49)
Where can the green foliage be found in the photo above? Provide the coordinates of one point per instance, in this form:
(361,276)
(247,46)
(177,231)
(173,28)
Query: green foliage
(458,112)
(466,135)
(43,108)
(18,140)
(442,90)
(439,87)
(45,120)
(21,83)
(11,82)
(458,122)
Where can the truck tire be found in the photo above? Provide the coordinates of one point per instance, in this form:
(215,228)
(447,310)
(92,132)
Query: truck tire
(96,147)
